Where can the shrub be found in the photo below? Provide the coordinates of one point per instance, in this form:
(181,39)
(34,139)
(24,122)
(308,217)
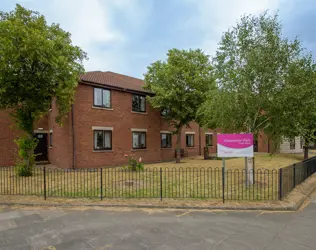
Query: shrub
(23,170)
(26,161)
(133,164)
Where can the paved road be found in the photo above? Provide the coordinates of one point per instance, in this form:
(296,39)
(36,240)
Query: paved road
(28,228)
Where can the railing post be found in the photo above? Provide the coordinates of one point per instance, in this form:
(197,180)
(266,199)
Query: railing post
(101,185)
(160,184)
(44,170)
(223,183)
(280,183)
(294,174)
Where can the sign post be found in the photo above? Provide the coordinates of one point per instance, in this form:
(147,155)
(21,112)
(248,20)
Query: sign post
(236,145)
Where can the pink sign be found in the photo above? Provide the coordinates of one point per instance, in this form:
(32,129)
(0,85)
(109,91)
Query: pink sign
(235,145)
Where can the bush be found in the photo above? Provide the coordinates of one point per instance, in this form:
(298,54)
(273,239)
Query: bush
(133,164)
(26,161)
(24,170)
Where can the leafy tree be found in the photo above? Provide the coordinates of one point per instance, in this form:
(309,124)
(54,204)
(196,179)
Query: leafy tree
(251,64)
(180,85)
(38,63)
(301,102)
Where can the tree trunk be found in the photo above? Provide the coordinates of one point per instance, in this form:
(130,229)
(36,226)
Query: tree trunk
(178,159)
(305,152)
(249,162)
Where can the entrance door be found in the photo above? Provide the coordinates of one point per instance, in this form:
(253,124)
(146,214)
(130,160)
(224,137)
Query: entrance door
(41,148)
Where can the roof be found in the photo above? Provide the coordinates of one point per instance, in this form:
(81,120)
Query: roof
(114,80)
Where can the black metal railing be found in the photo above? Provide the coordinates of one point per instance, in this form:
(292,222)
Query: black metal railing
(160,183)
(294,175)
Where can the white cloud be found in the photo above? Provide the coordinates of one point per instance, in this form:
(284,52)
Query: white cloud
(215,17)
(92,24)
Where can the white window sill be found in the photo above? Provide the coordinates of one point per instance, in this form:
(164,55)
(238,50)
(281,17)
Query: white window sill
(50,146)
(166,148)
(101,108)
(140,113)
(102,151)
(140,149)
(190,147)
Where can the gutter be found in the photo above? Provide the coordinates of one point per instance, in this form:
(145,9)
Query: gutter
(116,88)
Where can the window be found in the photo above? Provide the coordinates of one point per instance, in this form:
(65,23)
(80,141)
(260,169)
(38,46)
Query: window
(164,112)
(102,140)
(139,140)
(139,103)
(102,98)
(209,140)
(302,142)
(51,139)
(189,140)
(165,140)
(292,143)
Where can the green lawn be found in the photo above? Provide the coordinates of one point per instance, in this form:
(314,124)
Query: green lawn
(193,178)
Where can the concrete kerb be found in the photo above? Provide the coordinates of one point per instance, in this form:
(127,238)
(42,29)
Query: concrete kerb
(254,208)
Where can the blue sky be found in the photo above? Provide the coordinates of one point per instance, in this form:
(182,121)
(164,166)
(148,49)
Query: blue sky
(125,36)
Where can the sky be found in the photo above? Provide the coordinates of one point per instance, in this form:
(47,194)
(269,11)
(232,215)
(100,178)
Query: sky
(125,36)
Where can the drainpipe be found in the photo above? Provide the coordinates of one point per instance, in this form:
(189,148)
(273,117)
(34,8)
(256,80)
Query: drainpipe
(200,140)
(73,137)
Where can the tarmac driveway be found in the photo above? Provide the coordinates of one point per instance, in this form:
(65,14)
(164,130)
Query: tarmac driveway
(35,228)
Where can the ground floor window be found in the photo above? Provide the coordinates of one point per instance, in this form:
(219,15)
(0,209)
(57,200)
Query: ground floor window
(166,140)
(209,140)
(139,140)
(189,140)
(102,140)
(51,139)
(292,143)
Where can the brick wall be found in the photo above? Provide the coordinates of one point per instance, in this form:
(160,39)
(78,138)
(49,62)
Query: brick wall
(121,118)
(263,143)
(8,133)
(60,153)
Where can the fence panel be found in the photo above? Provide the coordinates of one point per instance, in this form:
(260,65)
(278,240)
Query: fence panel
(295,174)
(265,186)
(12,184)
(159,183)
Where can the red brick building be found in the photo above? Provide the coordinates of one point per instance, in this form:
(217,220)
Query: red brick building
(110,118)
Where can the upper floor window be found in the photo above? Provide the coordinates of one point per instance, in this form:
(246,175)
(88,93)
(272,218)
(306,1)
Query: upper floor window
(102,98)
(164,112)
(138,103)
(209,140)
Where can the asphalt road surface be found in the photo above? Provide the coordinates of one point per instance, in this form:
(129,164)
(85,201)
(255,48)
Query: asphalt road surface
(35,228)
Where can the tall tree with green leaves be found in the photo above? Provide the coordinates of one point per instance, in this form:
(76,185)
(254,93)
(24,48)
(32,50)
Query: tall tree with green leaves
(301,102)
(251,64)
(38,63)
(180,85)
